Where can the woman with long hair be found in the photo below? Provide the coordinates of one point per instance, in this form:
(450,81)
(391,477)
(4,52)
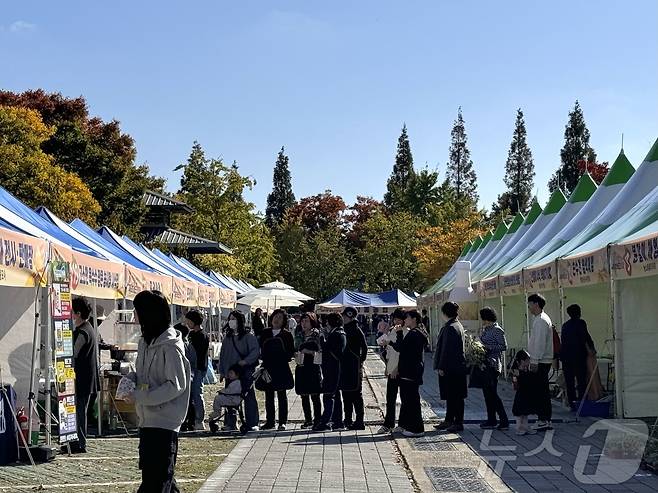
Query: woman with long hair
(162,391)
(450,363)
(240,347)
(277,349)
(308,374)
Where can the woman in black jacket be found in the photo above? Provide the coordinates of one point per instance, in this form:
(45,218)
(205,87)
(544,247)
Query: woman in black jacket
(410,372)
(277,349)
(450,362)
(333,347)
(308,374)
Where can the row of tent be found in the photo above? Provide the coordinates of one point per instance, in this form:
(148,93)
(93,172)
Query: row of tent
(105,265)
(597,248)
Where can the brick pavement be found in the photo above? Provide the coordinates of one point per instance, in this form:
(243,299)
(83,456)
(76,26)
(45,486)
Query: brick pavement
(476,460)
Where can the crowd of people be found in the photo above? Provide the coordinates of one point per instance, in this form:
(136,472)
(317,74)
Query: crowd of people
(329,356)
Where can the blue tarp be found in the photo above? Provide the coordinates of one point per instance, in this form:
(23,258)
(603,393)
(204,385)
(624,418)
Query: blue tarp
(88,232)
(229,282)
(21,218)
(392,298)
(187,265)
(169,262)
(136,251)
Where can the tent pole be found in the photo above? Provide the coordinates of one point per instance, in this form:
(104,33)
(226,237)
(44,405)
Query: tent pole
(97,354)
(35,347)
(616,326)
(560,289)
(48,350)
(502,321)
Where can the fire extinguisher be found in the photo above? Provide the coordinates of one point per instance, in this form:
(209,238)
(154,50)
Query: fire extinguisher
(23,423)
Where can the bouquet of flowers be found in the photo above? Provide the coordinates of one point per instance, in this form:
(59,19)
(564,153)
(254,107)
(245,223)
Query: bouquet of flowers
(475,353)
(476,359)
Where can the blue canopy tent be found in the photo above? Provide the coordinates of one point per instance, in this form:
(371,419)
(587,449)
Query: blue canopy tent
(21,218)
(387,299)
(88,232)
(136,251)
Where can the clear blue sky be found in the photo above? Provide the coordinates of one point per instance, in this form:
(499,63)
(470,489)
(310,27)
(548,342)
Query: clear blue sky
(334,81)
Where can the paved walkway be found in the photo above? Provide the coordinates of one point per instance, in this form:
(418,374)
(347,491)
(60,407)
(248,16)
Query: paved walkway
(303,461)
(474,461)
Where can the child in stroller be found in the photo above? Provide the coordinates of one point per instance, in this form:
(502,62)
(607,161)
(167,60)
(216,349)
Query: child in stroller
(228,400)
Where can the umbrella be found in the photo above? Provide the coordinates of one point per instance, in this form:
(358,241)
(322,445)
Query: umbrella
(271,298)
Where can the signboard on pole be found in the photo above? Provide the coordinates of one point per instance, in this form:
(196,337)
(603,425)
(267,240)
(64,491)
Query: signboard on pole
(64,369)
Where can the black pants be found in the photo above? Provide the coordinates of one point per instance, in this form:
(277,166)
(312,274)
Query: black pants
(455,410)
(411,416)
(158,449)
(282,397)
(544,405)
(333,409)
(82,400)
(353,400)
(392,386)
(492,400)
(575,372)
(316,415)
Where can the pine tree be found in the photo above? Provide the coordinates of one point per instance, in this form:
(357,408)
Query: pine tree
(402,175)
(282,197)
(519,171)
(460,172)
(576,148)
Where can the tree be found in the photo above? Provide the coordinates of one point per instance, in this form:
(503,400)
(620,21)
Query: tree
(460,172)
(598,171)
(519,171)
(403,171)
(439,246)
(576,148)
(215,191)
(282,198)
(423,194)
(319,212)
(30,174)
(386,260)
(98,152)
(356,217)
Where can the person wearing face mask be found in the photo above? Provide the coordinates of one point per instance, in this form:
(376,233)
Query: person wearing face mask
(240,347)
(277,349)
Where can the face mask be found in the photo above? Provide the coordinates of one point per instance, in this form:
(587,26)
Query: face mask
(232,324)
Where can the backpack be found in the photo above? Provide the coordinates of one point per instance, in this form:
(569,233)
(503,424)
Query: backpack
(557,344)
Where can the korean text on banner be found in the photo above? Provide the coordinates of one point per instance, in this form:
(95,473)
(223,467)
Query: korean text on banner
(227,298)
(185,292)
(542,278)
(91,276)
(489,287)
(138,280)
(635,259)
(512,284)
(591,268)
(22,259)
(203,296)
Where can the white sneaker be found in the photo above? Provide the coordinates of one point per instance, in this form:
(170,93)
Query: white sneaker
(383,430)
(411,434)
(282,427)
(542,426)
(254,428)
(524,432)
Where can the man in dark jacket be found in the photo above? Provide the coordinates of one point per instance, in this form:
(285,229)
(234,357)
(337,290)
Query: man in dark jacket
(352,370)
(200,341)
(333,347)
(576,344)
(85,362)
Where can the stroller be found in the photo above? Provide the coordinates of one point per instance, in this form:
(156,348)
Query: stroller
(221,409)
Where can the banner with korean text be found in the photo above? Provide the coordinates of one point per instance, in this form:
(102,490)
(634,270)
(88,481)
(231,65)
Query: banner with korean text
(542,278)
(581,270)
(635,259)
(22,259)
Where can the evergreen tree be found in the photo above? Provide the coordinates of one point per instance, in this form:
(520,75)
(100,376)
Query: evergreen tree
(519,171)
(402,176)
(460,172)
(282,198)
(576,148)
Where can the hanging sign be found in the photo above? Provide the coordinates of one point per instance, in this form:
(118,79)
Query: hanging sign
(512,284)
(590,268)
(489,287)
(60,300)
(542,278)
(635,259)
(22,259)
